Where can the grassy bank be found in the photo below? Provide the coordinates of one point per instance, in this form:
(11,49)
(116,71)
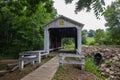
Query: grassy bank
(91,67)
(73,72)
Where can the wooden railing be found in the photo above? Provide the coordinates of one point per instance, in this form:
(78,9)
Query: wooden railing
(79,61)
(31,56)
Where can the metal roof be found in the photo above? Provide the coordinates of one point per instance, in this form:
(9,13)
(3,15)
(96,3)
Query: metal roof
(67,19)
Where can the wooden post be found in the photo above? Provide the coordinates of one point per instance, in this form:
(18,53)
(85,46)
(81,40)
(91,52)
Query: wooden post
(79,40)
(46,40)
(21,65)
(39,57)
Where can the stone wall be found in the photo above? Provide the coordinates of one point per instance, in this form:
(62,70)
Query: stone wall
(110,67)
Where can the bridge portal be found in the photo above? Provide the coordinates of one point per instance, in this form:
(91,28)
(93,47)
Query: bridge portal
(59,28)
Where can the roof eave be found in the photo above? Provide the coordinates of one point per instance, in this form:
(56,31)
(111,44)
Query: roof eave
(60,17)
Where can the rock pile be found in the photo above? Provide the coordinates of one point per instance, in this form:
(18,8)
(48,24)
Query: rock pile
(110,67)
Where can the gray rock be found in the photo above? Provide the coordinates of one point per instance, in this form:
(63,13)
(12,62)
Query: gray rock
(107,70)
(115,58)
(103,65)
(111,76)
(111,72)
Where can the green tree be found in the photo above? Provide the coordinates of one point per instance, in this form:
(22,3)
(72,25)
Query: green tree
(21,24)
(84,36)
(97,5)
(112,16)
(91,33)
(67,41)
(99,36)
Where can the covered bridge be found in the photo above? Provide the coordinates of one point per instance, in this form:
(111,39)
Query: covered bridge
(59,28)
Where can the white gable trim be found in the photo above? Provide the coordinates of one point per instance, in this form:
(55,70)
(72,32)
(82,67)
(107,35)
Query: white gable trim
(67,23)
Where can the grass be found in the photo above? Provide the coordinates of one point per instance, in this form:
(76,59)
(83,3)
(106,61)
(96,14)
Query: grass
(90,41)
(64,72)
(91,67)
(69,46)
(108,63)
(89,62)
(59,75)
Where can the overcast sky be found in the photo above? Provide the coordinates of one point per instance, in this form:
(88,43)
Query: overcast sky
(87,18)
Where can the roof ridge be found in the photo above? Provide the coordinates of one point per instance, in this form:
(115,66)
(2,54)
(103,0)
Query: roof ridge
(66,18)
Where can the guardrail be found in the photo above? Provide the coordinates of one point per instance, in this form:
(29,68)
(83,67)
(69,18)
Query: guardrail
(80,60)
(30,56)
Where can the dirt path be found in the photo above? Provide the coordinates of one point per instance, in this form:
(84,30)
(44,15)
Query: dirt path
(73,72)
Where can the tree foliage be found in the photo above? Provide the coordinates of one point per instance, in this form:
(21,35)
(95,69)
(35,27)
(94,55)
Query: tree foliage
(84,36)
(99,36)
(112,16)
(21,24)
(67,41)
(97,5)
(91,33)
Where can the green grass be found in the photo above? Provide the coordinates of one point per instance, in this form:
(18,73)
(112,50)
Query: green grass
(59,74)
(91,67)
(89,62)
(69,46)
(90,41)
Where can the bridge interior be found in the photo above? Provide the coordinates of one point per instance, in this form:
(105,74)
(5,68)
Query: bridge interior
(57,34)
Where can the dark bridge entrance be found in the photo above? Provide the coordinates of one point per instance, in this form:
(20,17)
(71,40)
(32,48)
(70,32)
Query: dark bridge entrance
(57,34)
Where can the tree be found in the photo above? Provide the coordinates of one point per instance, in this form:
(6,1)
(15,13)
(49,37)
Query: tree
(112,16)
(84,36)
(91,33)
(97,5)
(99,36)
(21,24)
(67,41)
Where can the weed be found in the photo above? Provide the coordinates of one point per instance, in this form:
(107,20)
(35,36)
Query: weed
(61,70)
(109,62)
(91,67)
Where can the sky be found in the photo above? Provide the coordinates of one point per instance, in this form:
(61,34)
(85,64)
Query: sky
(87,18)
